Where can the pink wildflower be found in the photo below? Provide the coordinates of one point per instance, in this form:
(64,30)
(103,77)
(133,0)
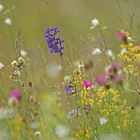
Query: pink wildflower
(87,84)
(16,94)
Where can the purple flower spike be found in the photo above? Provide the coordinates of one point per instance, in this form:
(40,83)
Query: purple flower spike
(54,43)
(16,94)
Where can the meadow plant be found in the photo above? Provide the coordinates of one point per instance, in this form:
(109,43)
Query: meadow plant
(90,91)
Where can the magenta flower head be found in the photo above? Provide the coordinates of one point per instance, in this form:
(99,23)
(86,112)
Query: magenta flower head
(101,79)
(87,84)
(16,94)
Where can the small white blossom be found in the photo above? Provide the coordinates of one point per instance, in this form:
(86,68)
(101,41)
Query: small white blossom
(130,38)
(103,121)
(37,134)
(1,7)
(1,66)
(110,54)
(81,66)
(123,50)
(12,101)
(14,63)
(67,78)
(8,21)
(17,73)
(23,53)
(61,131)
(96,51)
(94,23)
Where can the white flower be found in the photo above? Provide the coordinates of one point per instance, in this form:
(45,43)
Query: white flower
(17,73)
(103,121)
(61,131)
(8,21)
(130,38)
(37,134)
(94,23)
(67,78)
(23,53)
(12,101)
(81,66)
(96,51)
(1,7)
(123,50)
(14,63)
(1,66)
(110,54)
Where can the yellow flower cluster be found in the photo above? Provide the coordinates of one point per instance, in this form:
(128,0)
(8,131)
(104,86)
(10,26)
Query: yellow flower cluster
(131,56)
(111,106)
(83,94)
(84,133)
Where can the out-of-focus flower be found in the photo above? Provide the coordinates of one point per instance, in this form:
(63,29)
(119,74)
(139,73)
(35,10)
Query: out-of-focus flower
(16,73)
(103,121)
(16,94)
(23,53)
(115,73)
(84,133)
(101,79)
(34,125)
(123,36)
(130,38)
(112,68)
(123,50)
(61,131)
(37,134)
(75,113)
(6,113)
(87,84)
(1,7)
(14,63)
(96,51)
(53,69)
(80,66)
(54,43)
(94,23)
(109,53)
(67,78)
(15,97)
(69,90)
(12,101)
(1,66)
(8,21)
